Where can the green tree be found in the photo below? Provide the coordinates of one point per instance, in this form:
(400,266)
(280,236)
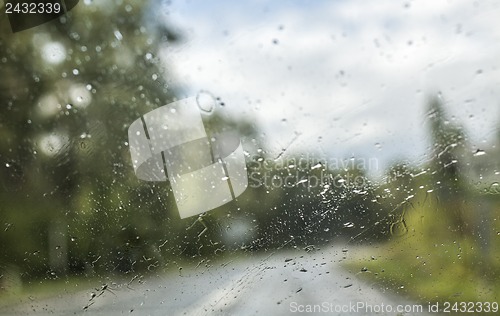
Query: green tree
(69,90)
(448,142)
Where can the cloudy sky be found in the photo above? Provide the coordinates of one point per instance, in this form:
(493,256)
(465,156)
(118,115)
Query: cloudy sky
(350,78)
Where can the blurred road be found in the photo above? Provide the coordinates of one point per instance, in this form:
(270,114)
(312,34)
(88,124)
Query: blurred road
(282,283)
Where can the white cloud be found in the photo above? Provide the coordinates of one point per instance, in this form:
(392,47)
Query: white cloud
(355,73)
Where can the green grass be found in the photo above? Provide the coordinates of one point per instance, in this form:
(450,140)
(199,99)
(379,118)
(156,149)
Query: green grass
(426,280)
(36,290)
(433,262)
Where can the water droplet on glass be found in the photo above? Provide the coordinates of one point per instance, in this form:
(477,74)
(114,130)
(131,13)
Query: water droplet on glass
(118,35)
(206,101)
(479,152)
(316,166)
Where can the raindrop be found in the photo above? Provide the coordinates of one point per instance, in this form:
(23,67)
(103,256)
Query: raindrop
(206,101)
(301,181)
(118,35)
(53,52)
(399,228)
(494,187)
(479,152)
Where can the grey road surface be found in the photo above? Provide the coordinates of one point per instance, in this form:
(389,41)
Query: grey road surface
(282,283)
